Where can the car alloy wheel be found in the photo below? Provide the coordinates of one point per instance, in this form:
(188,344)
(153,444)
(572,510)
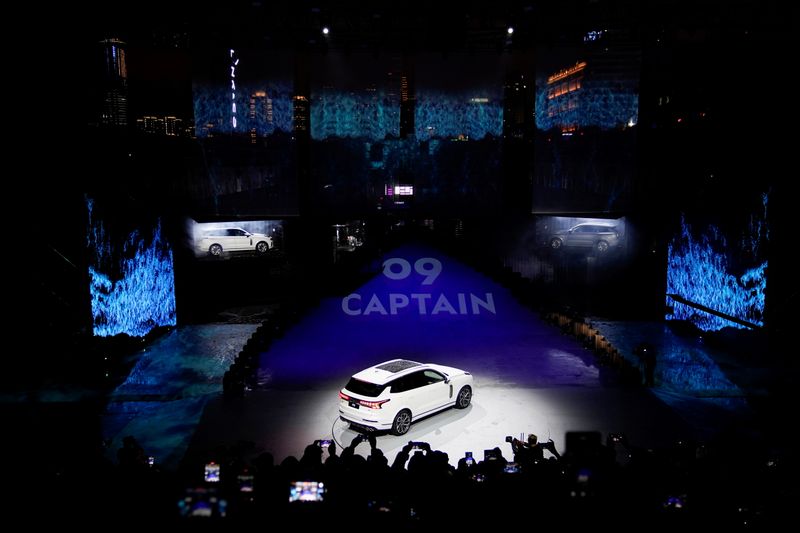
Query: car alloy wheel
(262,247)
(602,246)
(402,423)
(215,250)
(555,244)
(464,397)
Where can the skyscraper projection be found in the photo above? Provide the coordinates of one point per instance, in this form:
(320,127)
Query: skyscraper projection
(356,96)
(247,114)
(131,280)
(587,112)
(423,124)
(241,92)
(458,97)
(114,111)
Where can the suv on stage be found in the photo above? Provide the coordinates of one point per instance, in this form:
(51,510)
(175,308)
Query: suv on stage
(392,395)
(597,236)
(217,241)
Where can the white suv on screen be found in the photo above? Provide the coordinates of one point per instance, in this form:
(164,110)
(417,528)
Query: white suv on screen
(392,395)
(221,240)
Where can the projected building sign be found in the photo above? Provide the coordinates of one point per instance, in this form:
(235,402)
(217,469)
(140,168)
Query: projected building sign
(424,300)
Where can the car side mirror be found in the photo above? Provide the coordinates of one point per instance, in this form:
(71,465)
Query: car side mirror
(446,380)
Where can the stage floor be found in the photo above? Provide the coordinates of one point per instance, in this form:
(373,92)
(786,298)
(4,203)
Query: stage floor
(529,377)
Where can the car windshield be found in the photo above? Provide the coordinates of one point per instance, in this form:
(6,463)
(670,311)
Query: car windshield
(364,388)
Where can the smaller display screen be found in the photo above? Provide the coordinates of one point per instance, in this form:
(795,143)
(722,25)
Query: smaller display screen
(306,491)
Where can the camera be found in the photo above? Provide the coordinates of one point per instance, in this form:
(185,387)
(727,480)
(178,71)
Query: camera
(468,459)
(324,443)
(511,468)
(417,445)
(509,438)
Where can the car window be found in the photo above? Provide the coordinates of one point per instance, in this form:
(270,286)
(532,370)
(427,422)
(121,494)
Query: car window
(583,229)
(431,376)
(364,388)
(409,382)
(406,383)
(400,384)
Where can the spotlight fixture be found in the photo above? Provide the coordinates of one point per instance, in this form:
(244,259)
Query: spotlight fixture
(510,30)
(325,30)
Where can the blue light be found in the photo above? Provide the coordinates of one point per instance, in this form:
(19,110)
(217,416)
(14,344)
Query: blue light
(143,296)
(446,115)
(374,115)
(368,114)
(264,107)
(698,270)
(595,104)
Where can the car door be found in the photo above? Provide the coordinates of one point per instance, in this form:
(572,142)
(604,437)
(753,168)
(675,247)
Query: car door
(405,392)
(239,239)
(583,236)
(433,392)
(439,389)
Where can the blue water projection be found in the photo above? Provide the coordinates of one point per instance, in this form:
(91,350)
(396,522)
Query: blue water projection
(697,271)
(440,114)
(212,105)
(370,115)
(597,105)
(142,297)
(375,116)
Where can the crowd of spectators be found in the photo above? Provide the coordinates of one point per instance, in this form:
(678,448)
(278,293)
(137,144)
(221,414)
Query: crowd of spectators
(589,484)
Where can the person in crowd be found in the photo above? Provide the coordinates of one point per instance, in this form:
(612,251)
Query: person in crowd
(532,451)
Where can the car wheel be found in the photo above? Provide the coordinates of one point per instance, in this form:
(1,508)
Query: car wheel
(601,246)
(402,422)
(556,244)
(215,250)
(464,397)
(262,247)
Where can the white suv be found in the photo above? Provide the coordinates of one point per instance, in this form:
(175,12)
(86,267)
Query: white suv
(393,394)
(222,240)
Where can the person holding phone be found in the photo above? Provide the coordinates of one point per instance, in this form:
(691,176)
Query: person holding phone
(532,451)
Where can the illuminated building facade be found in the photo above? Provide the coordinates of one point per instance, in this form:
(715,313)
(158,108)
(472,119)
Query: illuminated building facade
(517,107)
(407,106)
(114,110)
(301,112)
(563,95)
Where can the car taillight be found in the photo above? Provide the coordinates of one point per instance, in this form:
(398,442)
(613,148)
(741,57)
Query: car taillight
(344,396)
(372,405)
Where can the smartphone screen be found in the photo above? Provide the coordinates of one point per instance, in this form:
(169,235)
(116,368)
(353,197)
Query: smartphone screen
(306,491)
(212,473)
(245,482)
(325,446)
